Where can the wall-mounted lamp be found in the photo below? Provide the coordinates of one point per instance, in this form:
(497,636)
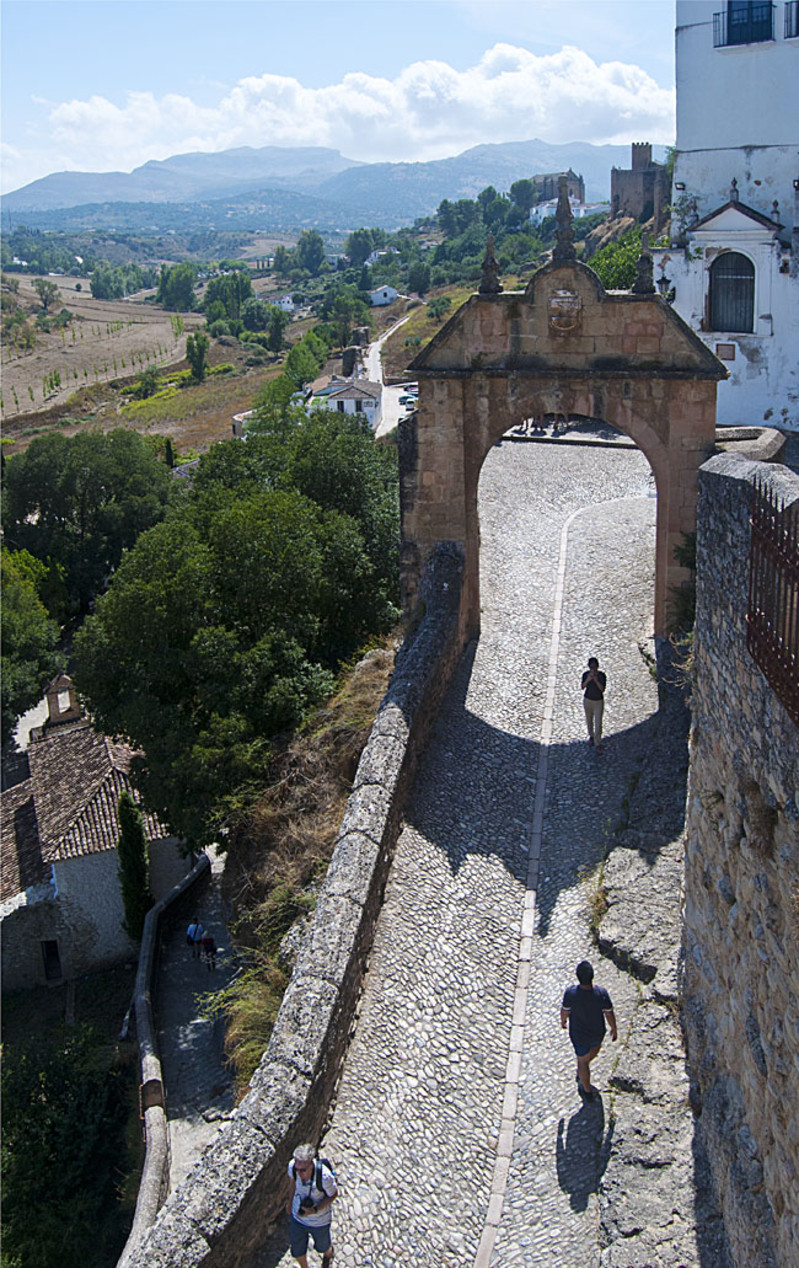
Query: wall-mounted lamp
(681,185)
(795,185)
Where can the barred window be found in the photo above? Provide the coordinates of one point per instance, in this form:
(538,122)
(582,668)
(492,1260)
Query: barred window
(732,293)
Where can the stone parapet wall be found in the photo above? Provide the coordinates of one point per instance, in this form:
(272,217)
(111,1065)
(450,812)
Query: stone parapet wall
(220,1213)
(741,958)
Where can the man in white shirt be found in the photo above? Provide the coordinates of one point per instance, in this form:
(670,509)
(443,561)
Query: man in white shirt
(309,1207)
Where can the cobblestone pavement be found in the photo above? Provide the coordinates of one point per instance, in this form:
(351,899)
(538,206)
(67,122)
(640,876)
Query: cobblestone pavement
(198,1087)
(458,1133)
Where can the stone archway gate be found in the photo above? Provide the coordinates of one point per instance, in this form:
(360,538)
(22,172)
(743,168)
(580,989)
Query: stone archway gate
(564,346)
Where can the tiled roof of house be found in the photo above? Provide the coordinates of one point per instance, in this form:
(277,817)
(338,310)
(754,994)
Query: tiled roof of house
(355,391)
(21,864)
(68,806)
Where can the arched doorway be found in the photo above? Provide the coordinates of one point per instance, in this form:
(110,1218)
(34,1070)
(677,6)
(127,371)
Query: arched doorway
(563,346)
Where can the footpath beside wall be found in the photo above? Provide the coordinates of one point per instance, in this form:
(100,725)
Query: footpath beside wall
(741,958)
(219,1214)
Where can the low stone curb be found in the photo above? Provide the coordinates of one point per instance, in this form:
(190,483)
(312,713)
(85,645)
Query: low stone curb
(217,1216)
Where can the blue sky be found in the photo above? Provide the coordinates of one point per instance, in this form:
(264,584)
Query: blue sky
(98,85)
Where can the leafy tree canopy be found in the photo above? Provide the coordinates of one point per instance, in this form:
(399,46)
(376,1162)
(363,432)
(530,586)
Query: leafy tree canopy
(231,290)
(616,263)
(29,636)
(82,501)
(309,252)
(176,288)
(224,623)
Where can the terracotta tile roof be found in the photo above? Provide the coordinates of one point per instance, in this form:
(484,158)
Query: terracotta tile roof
(21,863)
(68,806)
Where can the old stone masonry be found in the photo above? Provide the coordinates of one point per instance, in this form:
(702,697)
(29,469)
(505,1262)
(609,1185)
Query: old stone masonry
(458,1133)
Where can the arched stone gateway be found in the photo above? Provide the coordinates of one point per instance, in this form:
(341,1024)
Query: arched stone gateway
(564,346)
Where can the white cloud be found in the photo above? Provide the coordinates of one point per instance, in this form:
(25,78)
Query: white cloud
(429,111)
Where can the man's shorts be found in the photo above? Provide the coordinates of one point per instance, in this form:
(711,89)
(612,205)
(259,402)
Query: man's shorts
(582,1047)
(298,1234)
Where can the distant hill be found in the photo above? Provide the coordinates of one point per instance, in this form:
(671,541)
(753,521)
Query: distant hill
(182,177)
(274,189)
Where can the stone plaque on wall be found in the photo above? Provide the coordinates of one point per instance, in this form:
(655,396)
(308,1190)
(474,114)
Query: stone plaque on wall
(565,313)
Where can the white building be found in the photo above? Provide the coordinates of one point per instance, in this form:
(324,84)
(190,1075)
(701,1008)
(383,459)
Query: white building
(347,396)
(579,210)
(733,264)
(61,909)
(382,296)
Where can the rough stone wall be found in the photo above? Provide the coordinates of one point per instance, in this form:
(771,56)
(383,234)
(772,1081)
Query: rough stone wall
(741,974)
(218,1215)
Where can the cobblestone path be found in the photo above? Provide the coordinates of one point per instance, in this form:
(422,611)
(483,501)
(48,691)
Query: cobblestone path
(458,1133)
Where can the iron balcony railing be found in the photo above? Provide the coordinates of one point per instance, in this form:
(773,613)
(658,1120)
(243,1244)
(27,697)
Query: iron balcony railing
(792,19)
(772,619)
(744,24)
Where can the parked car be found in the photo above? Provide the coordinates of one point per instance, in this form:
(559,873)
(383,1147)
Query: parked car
(407,399)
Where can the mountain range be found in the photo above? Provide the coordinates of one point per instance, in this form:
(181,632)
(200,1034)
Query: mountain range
(283,189)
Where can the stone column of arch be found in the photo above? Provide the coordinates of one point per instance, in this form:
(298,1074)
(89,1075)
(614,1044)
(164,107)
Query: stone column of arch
(564,346)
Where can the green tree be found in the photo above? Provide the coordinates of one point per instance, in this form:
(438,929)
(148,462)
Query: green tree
(278,323)
(47,291)
(361,243)
(616,263)
(232,290)
(254,314)
(225,622)
(134,865)
(29,636)
(309,252)
(197,346)
(419,278)
(82,501)
(64,1149)
(522,194)
(176,288)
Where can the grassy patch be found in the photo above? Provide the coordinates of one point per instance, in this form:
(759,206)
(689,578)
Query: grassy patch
(280,849)
(397,353)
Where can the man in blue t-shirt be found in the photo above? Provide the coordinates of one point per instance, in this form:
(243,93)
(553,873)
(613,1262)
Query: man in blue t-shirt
(584,1009)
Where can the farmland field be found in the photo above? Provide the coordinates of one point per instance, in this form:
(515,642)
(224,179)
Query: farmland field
(108,339)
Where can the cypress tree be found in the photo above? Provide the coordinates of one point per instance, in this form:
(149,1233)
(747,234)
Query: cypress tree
(134,871)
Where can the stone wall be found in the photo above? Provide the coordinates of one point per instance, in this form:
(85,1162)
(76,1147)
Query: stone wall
(741,974)
(219,1214)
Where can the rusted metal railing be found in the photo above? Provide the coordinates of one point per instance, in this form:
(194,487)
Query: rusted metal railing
(772,618)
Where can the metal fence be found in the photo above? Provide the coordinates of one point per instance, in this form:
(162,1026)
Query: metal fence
(772,619)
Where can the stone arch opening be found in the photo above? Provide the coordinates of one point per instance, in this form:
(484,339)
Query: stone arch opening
(564,346)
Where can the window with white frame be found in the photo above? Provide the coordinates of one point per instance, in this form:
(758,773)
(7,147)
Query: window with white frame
(732,293)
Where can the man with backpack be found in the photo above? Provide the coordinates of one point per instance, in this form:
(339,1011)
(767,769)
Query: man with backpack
(194,938)
(309,1206)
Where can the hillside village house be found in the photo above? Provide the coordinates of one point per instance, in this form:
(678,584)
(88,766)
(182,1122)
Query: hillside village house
(347,396)
(61,908)
(382,296)
(733,263)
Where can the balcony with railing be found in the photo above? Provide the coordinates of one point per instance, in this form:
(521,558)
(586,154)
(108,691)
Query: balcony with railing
(792,20)
(743,24)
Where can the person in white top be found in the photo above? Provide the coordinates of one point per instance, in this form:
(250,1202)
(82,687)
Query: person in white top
(308,1207)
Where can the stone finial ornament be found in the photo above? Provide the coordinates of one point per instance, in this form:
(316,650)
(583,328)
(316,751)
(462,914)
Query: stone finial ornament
(644,283)
(734,195)
(564,250)
(490,284)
